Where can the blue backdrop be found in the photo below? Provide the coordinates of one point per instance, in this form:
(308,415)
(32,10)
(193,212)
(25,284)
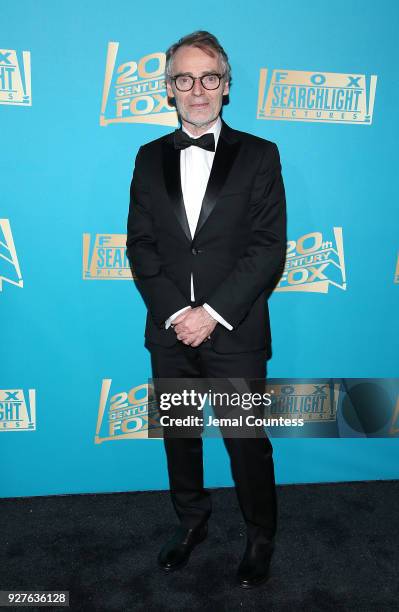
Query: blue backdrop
(74,111)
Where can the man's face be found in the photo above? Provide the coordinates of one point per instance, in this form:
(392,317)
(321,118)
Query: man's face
(199,106)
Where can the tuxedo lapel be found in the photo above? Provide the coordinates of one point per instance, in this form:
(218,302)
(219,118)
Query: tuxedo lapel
(171,165)
(226,153)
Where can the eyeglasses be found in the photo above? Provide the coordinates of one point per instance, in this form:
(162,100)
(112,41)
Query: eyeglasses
(185,82)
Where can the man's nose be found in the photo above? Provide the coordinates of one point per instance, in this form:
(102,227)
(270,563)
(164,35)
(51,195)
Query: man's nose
(198,89)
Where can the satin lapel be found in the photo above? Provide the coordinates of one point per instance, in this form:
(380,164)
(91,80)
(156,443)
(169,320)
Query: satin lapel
(171,165)
(226,153)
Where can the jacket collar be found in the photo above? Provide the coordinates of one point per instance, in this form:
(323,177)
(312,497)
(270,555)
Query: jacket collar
(226,152)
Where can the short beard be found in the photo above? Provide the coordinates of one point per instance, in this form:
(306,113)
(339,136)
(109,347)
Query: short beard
(198,124)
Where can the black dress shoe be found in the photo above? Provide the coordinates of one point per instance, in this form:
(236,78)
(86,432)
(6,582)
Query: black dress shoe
(176,552)
(254,567)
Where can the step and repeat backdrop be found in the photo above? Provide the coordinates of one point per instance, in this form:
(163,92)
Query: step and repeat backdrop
(81,88)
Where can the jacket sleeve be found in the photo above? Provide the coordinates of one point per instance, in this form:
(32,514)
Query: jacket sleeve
(159,292)
(262,263)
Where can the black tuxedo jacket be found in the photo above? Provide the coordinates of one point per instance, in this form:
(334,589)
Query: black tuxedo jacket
(237,253)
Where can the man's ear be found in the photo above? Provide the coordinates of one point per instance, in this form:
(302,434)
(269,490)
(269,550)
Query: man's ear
(169,90)
(226,89)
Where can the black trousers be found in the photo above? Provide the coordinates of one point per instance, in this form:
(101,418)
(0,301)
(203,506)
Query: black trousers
(250,458)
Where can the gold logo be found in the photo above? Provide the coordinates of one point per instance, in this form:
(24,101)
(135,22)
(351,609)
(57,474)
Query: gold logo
(15,84)
(329,97)
(10,271)
(125,414)
(107,259)
(314,263)
(309,401)
(17,414)
(135,91)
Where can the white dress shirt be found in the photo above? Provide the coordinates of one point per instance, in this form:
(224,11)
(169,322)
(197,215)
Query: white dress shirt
(195,168)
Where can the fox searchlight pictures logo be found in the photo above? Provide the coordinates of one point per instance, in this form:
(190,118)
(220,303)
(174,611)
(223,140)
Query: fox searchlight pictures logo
(330,97)
(135,91)
(105,257)
(17,413)
(15,83)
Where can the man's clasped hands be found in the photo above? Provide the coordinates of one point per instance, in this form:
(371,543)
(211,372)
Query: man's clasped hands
(194,326)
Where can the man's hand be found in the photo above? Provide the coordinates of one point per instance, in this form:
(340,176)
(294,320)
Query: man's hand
(194,326)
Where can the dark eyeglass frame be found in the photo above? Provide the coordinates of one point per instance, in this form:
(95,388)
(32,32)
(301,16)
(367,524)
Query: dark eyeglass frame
(220,77)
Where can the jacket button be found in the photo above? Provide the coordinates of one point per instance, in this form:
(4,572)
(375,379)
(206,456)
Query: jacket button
(194,251)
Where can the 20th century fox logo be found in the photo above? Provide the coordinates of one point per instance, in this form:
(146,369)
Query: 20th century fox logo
(135,91)
(125,414)
(15,78)
(330,97)
(314,262)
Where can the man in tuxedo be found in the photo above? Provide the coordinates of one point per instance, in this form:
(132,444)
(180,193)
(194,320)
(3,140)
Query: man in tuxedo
(207,242)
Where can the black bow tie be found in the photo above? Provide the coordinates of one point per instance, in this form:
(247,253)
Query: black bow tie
(183,140)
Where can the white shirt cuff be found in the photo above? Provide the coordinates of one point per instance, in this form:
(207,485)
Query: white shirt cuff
(174,316)
(217,316)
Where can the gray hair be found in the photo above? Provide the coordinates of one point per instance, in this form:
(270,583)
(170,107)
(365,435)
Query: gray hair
(205,41)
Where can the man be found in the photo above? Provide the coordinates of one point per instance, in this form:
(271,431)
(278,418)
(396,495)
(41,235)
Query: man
(207,241)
